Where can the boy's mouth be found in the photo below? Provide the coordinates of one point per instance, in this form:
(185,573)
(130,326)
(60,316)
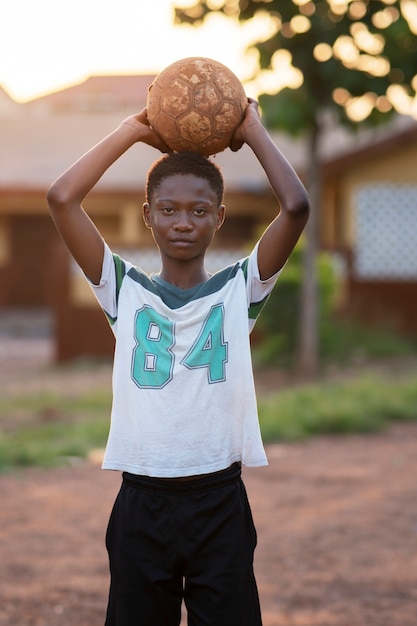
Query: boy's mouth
(182,240)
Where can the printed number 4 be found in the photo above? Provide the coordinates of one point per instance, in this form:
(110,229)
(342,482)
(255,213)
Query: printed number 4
(153,357)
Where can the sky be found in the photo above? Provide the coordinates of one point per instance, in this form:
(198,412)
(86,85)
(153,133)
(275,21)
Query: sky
(46,45)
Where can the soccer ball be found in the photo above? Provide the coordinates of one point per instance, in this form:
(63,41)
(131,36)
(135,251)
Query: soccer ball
(195,104)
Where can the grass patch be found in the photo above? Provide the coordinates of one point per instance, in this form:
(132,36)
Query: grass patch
(362,405)
(49,430)
(52,429)
(344,341)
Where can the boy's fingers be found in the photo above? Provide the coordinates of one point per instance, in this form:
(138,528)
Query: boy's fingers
(236,145)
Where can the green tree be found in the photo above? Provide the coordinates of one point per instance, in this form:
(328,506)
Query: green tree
(357,61)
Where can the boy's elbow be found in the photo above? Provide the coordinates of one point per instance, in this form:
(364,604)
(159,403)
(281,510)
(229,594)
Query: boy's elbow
(56,197)
(305,206)
(300,207)
(53,196)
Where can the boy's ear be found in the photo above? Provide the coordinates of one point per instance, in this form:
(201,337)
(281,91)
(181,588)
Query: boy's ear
(146,214)
(221,214)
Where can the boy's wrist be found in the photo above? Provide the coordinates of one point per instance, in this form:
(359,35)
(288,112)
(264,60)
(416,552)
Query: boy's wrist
(132,129)
(255,132)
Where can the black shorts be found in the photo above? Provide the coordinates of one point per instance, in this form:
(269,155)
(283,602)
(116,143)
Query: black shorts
(170,540)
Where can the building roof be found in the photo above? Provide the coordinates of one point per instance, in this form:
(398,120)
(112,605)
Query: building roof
(404,135)
(8,107)
(98,94)
(42,137)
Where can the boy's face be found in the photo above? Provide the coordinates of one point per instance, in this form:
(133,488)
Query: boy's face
(183,215)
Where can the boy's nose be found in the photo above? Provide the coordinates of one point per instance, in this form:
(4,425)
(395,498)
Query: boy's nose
(182,222)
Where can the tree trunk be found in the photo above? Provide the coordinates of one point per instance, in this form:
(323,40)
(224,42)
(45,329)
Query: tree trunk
(308,359)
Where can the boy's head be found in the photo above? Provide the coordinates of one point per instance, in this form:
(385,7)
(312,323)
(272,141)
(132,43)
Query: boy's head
(182,163)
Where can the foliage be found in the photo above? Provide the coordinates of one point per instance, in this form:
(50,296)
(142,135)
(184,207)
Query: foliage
(363,404)
(277,326)
(341,341)
(360,47)
(344,341)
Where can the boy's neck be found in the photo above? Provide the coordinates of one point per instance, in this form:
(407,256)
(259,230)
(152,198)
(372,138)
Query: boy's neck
(184,276)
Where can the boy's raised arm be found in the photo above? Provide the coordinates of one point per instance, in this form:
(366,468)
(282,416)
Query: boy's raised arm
(282,234)
(66,194)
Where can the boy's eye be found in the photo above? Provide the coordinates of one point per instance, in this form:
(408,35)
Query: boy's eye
(199,211)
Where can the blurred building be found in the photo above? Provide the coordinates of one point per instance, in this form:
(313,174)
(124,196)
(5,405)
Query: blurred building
(368,217)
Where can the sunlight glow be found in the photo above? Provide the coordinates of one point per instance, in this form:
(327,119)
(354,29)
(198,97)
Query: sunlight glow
(341,96)
(366,41)
(322,52)
(383,104)
(59,44)
(283,74)
(345,50)
(357,10)
(409,10)
(261,27)
(215,5)
(376,66)
(400,100)
(358,109)
(339,7)
(385,18)
(309,8)
(300,24)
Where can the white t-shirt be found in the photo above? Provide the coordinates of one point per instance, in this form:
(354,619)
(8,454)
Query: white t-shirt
(183,391)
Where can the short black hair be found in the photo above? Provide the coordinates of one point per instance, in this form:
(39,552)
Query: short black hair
(183,163)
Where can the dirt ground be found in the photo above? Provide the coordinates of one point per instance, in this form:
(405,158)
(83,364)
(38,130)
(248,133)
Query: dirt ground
(336,520)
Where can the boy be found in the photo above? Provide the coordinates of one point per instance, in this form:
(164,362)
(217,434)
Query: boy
(184,414)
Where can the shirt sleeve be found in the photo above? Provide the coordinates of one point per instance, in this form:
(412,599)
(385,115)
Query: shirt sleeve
(106,290)
(257,290)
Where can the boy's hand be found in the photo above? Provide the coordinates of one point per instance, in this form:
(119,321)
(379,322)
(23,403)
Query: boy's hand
(145,133)
(250,121)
